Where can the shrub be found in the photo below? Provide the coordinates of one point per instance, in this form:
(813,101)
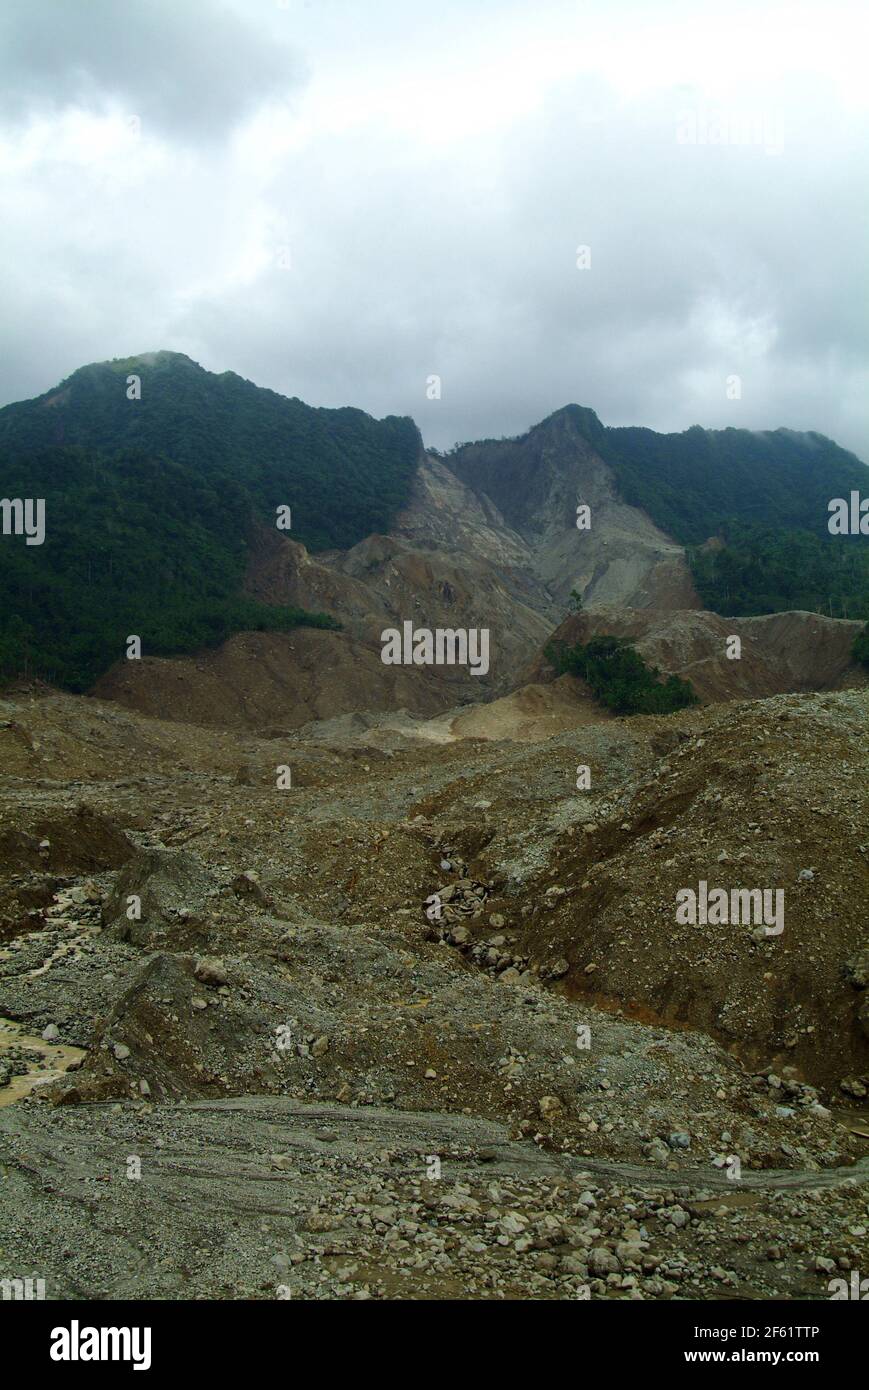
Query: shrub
(619,678)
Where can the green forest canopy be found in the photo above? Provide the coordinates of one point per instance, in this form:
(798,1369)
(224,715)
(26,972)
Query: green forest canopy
(765,495)
(150,504)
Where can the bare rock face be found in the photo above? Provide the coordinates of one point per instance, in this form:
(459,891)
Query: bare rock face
(473,574)
(445,514)
(537,482)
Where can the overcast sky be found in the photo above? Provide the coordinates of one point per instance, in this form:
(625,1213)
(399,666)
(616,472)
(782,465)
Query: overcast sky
(342,198)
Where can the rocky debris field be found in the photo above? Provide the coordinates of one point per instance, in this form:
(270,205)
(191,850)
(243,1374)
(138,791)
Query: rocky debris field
(288,1002)
(265,1197)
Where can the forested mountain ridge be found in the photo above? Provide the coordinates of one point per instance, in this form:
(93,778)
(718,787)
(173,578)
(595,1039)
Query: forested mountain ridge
(159,478)
(154,473)
(690,483)
(344,473)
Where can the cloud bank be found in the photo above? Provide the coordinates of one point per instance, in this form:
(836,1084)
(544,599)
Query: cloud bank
(659,212)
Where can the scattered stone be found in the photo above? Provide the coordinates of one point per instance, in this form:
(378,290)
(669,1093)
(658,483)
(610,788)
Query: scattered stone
(210,971)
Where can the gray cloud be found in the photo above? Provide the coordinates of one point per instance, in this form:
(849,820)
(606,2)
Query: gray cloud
(432,183)
(188,69)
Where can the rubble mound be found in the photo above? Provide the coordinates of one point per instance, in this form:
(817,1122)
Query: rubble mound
(779,652)
(158,889)
(770,795)
(74,842)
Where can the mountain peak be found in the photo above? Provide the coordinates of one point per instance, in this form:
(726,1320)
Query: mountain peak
(162,357)
(580,418)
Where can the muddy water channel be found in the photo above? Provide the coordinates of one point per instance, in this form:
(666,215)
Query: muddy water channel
(27,1062)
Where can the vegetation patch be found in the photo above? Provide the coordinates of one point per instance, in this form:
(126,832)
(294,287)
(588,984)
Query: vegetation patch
(759,569)
(619,678)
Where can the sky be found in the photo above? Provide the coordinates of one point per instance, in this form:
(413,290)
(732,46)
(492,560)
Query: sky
(472,213)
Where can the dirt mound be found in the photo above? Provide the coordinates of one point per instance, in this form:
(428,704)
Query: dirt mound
(183,1027)
(531,713)
(259,679)
(770,795)
(161,888)
(78,841)
(780,652)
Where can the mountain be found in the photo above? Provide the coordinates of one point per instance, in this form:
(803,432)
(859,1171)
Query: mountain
(150,505)
(535,483)
(343,473)
(689,483)
(161,522)
(744,511)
